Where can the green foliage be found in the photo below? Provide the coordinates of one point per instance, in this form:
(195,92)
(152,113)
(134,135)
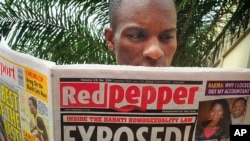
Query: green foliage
(71,31)
(201,24)
(62,31)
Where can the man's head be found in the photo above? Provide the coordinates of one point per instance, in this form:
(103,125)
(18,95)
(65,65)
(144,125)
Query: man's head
(142,32)
(33,105)
(239,107)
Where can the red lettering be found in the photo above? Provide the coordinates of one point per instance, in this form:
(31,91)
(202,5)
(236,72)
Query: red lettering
(116,95)
(133,95)
(34,76)
(164,96)
(192,92)
(148,96)
(7,70)
(96,95)
(84,95)
(180,95)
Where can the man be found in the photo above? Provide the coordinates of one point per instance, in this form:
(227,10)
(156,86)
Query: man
(142,32)
(38,128)
(238,110)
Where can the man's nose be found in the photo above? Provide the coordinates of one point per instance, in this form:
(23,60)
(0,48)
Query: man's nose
(153,50)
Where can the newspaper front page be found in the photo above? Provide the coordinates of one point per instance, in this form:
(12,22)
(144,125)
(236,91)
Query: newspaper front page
(25,97)
(122,103)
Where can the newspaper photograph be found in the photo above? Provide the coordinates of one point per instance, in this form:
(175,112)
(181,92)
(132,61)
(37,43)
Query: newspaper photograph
(216,116)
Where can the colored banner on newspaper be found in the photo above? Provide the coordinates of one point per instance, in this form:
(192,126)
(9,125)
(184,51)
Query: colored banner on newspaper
(126,95)
(228,88)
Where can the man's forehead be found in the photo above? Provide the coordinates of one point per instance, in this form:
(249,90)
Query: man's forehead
(165,8)
(137,4)
(240,101)
(144,10)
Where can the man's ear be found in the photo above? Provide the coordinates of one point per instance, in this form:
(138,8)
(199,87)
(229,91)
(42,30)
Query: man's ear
(109,35)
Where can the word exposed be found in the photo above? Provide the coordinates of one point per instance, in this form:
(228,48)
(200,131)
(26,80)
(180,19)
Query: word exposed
(106,133)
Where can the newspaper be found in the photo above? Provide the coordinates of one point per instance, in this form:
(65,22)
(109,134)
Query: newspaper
(117,103)
(25,97)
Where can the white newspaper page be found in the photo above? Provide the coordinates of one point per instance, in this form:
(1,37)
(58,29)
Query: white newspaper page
(122,103)
(25,97)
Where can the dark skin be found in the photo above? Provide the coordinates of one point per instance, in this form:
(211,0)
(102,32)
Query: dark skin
(239,108)
(144,33)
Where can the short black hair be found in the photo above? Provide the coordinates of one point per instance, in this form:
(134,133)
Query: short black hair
(226,120)
(238,99)
(113,6)
(33,100)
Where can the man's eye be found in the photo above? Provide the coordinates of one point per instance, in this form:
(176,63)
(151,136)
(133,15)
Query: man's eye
(137,36)
(165,37)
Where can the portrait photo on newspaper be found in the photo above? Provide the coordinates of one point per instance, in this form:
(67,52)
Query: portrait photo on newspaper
(216,116)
